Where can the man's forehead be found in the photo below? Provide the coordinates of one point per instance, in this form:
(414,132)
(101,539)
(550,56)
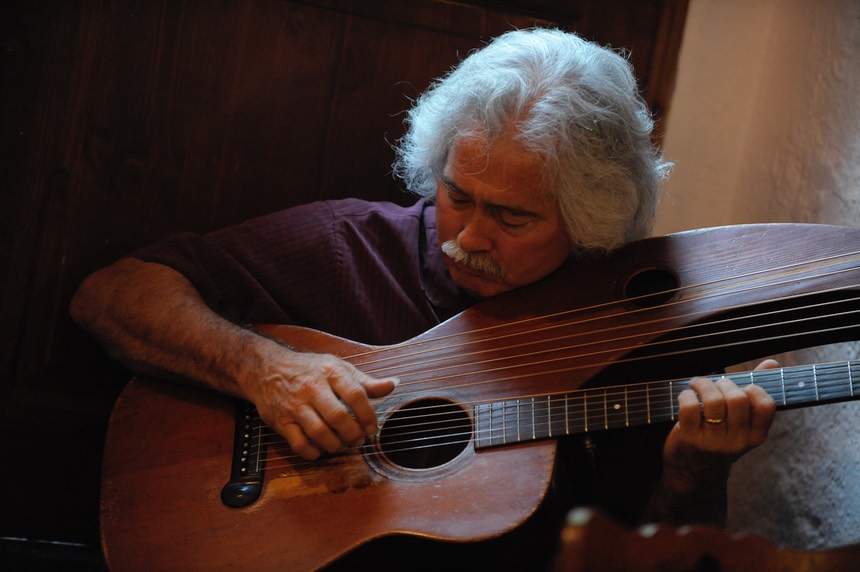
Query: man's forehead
(505,164)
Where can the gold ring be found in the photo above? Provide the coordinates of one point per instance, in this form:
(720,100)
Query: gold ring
(713,421)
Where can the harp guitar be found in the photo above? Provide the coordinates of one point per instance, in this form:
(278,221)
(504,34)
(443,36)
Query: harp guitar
(193,480)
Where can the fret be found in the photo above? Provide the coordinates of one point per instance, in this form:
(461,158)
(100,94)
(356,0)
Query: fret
(595,410)
(850,380)
(815,382)
(566,415)
(585,411)
(605,412)
(509,428)
(782,381)
(576,418)
(549,415)
(517,420)
(504,426)
(558,415)
(508,415)
(673,389)
(497,423)
(532,418)
(672,402)
(638,405)
(541,427)
(483,425)
(648,401)
(626,409)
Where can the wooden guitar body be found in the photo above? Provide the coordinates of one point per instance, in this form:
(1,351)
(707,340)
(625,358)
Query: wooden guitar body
(161,506)
(673,306)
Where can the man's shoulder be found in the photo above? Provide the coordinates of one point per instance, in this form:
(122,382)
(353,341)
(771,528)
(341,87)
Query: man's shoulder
(356,207)
(338,215)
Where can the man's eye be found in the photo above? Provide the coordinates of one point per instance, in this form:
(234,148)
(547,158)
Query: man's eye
(457,198)
(513,221)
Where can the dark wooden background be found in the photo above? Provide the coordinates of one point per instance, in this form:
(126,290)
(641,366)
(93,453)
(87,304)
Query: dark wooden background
(124,120)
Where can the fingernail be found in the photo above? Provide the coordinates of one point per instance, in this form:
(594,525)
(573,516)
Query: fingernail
(371,430)
(395,381)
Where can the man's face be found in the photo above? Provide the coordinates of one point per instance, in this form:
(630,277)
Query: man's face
(490,204)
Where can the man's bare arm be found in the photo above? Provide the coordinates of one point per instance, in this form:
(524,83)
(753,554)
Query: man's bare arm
(151,318)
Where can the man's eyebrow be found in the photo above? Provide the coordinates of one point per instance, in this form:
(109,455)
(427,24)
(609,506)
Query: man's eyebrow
(516,211)
(452,185)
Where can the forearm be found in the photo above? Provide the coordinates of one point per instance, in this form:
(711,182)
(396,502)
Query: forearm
(150,318)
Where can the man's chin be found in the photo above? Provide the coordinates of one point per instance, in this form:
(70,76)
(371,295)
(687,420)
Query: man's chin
(478,287)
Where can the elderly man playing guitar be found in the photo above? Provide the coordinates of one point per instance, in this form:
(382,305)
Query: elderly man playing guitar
(532,154)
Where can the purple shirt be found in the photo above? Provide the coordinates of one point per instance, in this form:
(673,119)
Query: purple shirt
(366,271)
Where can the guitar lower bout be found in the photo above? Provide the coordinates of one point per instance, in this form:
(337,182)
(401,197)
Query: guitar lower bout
(169,452)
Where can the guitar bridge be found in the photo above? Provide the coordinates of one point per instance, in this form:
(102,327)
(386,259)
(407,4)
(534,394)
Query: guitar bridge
(248,459)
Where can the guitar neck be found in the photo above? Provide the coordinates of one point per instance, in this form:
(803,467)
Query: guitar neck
(582,411)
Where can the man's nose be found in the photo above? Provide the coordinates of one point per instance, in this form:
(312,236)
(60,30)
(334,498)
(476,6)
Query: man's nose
(476,235)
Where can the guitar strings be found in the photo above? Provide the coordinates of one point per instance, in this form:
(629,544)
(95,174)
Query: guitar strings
(724,284)
(405,374)
(614,350)
(428,411)
(665,354)
(544,341)
(758,277)
(781,380)
(623,391)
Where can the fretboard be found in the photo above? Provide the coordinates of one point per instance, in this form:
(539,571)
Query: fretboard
(582,411)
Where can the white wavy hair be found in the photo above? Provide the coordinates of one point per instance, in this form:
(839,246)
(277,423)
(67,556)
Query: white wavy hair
(574,103)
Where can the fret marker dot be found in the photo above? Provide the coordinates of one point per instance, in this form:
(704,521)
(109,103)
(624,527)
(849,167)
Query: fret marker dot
(801,384)
(616,407)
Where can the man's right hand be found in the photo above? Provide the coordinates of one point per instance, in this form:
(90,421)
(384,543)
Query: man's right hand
(317,402)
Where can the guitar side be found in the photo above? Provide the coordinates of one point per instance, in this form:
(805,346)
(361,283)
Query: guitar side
(168,455)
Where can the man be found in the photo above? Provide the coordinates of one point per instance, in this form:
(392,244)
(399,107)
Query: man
(536,150)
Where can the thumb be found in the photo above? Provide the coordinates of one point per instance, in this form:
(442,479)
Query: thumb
(381,387)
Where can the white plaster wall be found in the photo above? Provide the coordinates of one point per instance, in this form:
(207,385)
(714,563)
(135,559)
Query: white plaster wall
(765,127)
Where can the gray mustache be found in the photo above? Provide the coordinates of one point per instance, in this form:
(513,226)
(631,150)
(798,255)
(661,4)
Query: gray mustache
(478,262)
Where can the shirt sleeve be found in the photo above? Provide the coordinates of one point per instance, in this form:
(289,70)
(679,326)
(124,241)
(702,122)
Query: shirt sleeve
(257,271)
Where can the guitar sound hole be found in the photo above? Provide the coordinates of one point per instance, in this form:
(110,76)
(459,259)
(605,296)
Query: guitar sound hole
(425,434)
(651,287)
